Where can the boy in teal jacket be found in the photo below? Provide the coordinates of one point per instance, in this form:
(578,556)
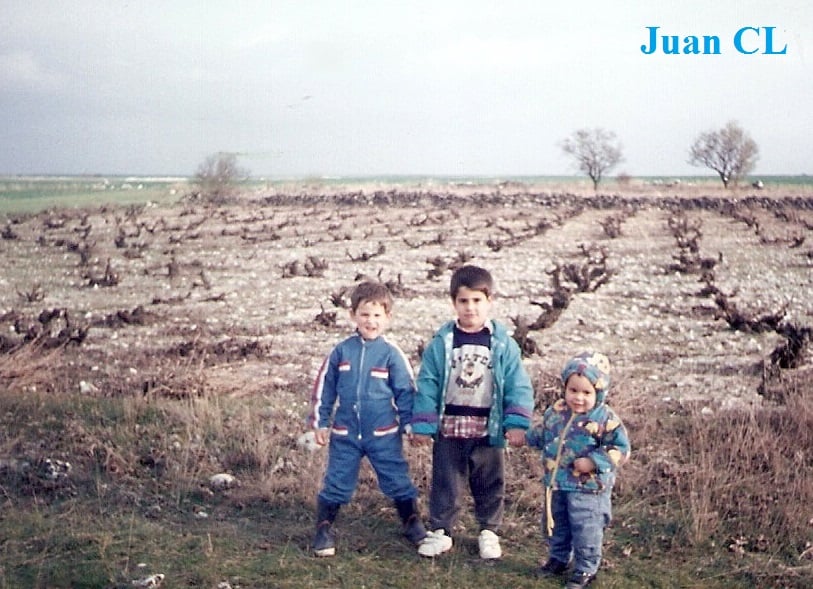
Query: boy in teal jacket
(473,395)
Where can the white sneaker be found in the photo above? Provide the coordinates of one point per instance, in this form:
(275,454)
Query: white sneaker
(489,544)
(435,543)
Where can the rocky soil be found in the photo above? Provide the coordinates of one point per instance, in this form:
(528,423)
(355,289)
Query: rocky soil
(689,296)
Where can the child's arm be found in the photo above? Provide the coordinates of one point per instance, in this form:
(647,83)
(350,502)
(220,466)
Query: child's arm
(535,436)
(426,409)
(402,384)
(323,394)
(542,433)
(614,448)
(518,398)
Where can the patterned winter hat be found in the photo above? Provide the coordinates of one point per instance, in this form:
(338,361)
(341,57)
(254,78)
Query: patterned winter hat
(595,367)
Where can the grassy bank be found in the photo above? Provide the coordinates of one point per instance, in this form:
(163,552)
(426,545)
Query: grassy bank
(32,194)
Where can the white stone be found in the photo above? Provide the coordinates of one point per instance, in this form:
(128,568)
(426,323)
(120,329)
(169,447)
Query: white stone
(307,441)
(222,481)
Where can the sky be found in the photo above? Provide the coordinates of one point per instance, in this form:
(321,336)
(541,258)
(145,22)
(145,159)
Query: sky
(368,88)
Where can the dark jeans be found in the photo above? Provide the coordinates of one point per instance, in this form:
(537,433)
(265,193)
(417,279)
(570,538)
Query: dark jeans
(455,461)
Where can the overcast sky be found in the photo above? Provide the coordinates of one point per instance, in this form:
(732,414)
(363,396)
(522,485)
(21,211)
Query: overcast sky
(372,87)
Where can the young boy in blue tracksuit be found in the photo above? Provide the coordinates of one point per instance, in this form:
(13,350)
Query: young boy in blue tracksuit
(361,404)
(583,443)
(473,395)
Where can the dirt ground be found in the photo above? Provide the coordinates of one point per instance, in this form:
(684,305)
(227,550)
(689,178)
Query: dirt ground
(246,297)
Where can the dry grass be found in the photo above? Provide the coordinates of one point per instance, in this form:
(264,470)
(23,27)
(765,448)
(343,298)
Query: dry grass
(706,493)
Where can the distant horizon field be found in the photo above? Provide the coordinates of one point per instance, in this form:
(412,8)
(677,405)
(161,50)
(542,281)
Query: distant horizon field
(29,194)
(801,178)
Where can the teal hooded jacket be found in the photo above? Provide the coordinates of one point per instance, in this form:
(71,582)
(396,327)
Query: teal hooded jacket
(513,396)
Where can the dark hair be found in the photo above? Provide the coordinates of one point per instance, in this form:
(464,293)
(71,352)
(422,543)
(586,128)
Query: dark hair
(373,292)
(472,277)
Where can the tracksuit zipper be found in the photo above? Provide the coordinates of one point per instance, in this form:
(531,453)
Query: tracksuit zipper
(358,386)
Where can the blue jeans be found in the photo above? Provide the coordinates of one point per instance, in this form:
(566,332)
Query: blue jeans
(579,520)
(386,457)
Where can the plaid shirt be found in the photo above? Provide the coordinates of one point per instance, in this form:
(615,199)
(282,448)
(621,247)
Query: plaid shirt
(464,426)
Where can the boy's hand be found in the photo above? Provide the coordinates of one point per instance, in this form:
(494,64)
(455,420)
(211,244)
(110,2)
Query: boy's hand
(322,436)
(420,439)
(515,437)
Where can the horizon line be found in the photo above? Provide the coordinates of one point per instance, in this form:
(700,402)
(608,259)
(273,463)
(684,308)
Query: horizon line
(288,177)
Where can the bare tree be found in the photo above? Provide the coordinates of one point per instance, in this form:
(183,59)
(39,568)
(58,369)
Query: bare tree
(218,175)
(596,151)
(729,151)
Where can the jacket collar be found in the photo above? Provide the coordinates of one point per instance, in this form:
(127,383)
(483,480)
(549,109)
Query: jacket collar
(489,325)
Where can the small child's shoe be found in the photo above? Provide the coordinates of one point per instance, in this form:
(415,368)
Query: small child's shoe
(578,580)
(435,543)
(552,568)
(489,544)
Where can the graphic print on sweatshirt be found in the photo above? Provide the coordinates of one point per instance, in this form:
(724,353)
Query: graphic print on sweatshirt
(471,381)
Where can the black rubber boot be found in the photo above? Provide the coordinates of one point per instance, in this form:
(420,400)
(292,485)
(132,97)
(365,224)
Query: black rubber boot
(413,526)
(324,542)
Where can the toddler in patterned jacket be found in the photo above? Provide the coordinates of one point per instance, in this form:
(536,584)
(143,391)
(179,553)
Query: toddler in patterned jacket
(583,442)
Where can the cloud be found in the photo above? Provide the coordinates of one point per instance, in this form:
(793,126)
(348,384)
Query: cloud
(459,86)
(19,70)
(478,53)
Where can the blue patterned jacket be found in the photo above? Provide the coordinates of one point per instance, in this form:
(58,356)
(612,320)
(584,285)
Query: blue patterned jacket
(565,436)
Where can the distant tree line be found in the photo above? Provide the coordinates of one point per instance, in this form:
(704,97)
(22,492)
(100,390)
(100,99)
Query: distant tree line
(729,151)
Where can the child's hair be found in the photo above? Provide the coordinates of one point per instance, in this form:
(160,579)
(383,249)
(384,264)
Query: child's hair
(472,277)
(370,291)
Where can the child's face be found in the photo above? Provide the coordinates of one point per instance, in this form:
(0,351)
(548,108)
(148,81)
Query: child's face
(472,308)
(371,319)
(580,394)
